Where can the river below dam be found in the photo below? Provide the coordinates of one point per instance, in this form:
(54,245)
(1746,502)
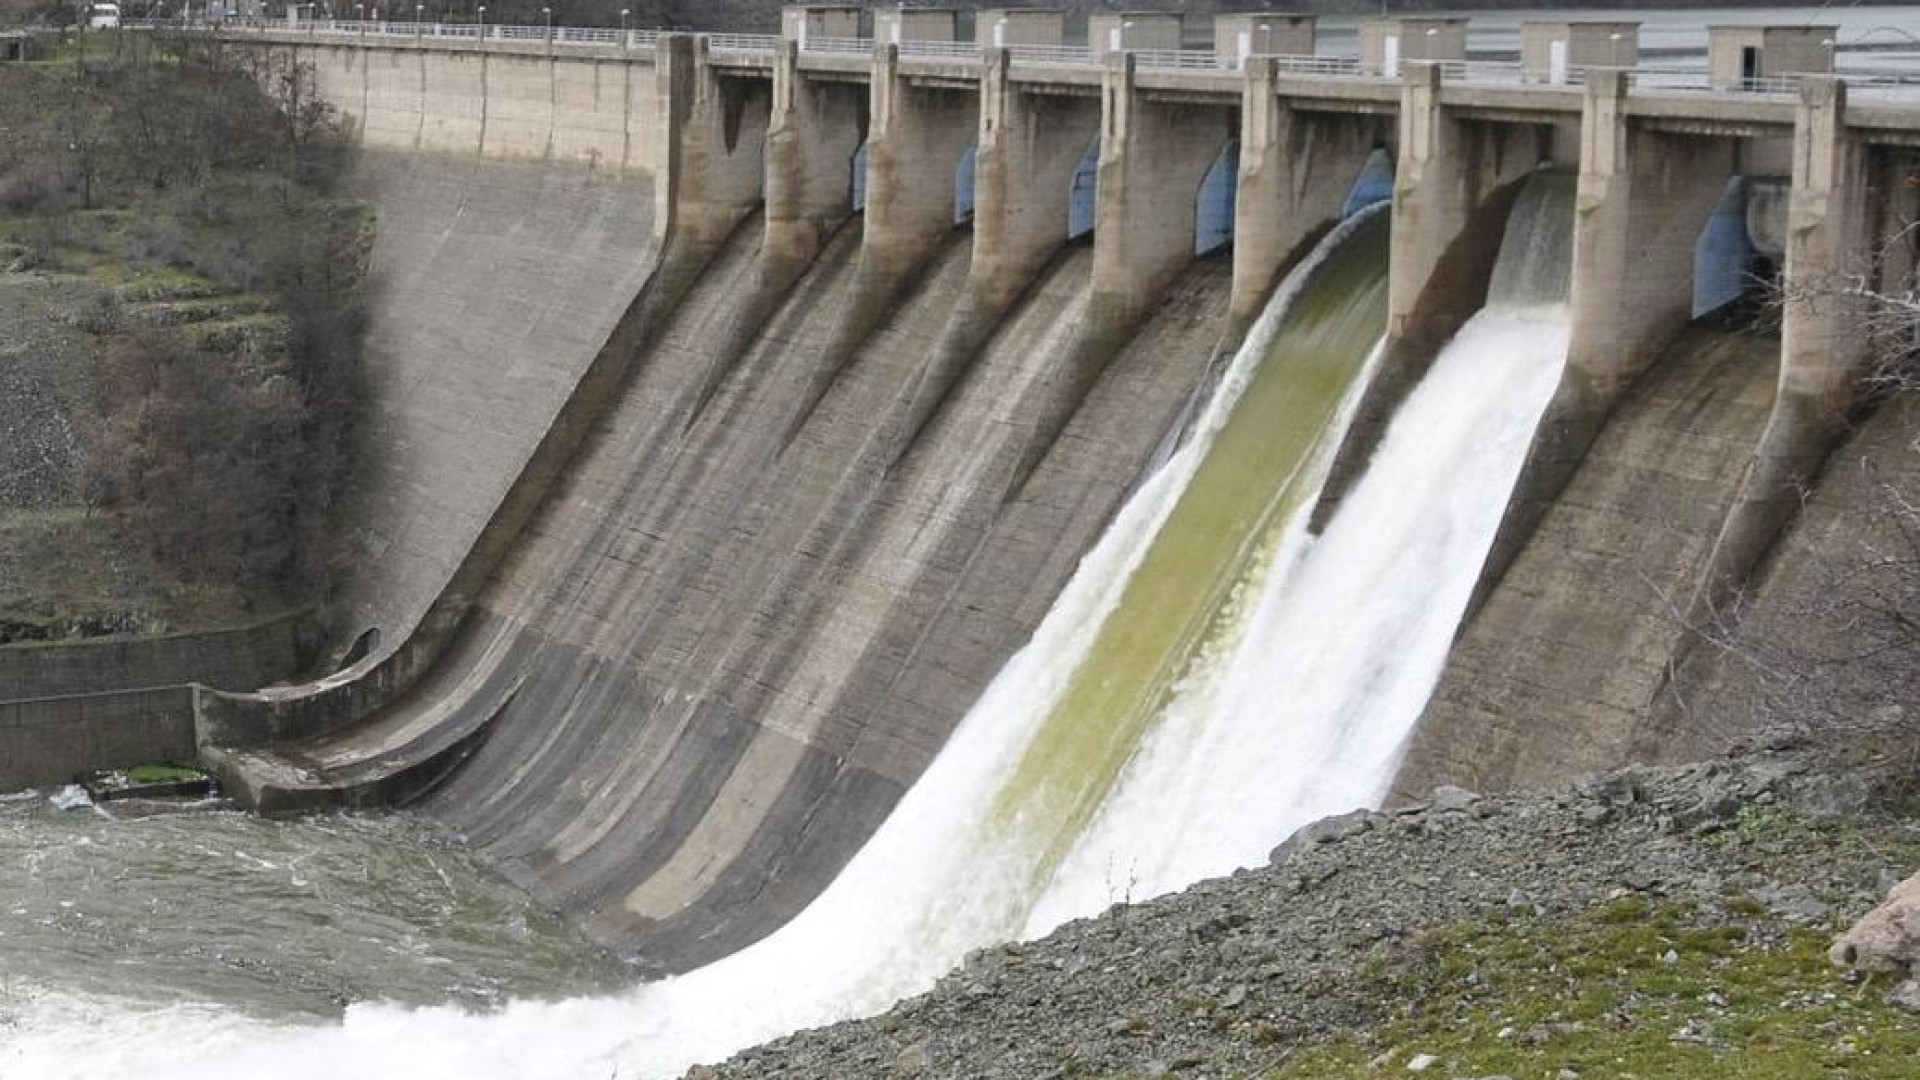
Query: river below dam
(219,913)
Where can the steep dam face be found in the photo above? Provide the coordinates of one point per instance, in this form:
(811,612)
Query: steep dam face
(1036,809)
(1583,625)
(719,654)
(914,583)
(496,283)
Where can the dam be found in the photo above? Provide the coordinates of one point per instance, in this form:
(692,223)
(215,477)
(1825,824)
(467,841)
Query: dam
(828,476)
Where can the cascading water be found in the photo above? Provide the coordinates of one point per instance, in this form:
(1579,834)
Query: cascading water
(1304,708)
(1192,688)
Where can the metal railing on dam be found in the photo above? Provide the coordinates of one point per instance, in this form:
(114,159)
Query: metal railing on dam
(1879,83)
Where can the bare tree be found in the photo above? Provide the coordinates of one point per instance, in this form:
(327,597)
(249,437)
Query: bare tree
(1830,640)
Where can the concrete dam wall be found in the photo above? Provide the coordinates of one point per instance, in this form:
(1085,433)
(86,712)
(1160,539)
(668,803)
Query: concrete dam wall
(1561,666)
(720,480)
(715,660)
(496,285)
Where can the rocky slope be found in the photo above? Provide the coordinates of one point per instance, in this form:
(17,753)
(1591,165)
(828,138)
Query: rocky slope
(1650,922)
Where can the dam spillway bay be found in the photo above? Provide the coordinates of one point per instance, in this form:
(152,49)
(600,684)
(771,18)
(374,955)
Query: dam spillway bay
(780,436)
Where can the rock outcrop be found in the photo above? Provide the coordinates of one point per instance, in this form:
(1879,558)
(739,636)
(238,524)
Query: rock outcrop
(1887,941)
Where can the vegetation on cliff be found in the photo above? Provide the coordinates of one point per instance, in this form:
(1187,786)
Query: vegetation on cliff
(181,281)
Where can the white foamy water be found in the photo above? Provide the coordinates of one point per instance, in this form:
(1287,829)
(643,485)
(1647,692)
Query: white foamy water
(1305,709)
(1303,706)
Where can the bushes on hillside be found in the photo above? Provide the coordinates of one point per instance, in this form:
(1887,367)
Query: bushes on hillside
(223,458)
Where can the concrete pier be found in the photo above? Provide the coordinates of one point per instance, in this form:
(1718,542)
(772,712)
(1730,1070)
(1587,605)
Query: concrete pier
(1027,148)
(917,137)
(1296,166)
(718,164)
(816,129)
(1456,177)
(1823,340)
(1642,195)
(1154,153)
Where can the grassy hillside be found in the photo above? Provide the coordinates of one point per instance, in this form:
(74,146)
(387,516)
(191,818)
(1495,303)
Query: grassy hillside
(180,306)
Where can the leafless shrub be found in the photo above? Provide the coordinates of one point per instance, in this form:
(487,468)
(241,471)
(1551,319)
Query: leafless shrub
(1831,643)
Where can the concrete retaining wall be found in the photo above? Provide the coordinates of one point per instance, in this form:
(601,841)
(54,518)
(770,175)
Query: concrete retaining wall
(600,112)
(54,740)
(241,658)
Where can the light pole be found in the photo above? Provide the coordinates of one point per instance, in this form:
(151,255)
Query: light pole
(483,22)
(360,18)
(625,42)
(546,13)
(419,22)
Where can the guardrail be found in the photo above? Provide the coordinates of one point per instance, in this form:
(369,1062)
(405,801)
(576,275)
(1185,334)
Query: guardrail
(941,50)
(833,46)
(598,36)
(1182,60)
(1320,66)
(1880,83)
(1062,55)
(1701,82)
(743,44)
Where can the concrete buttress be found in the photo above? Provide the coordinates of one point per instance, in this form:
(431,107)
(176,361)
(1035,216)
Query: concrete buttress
(1295,171)
(815,130)
(1153,156)
(1823,343)
(916,138)
(1028,146)
(1642,198)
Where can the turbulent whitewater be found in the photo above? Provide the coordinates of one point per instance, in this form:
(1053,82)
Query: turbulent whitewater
(1211,678)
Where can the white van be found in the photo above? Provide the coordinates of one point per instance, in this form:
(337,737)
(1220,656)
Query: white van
(103,17)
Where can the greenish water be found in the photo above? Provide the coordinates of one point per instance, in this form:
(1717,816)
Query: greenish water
(1227,520)
(276,919)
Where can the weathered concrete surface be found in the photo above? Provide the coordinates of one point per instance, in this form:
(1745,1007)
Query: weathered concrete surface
(496,283)
(240,658)
(1807,641)
(1296,168)
(1153,156)
(1642,196)
(1559,668)
(55,740)
(598,113)
(718,657)
(1029,147)
(916,139)
(1823,343)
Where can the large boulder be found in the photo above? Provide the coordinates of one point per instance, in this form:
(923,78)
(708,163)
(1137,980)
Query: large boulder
(1888,939)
